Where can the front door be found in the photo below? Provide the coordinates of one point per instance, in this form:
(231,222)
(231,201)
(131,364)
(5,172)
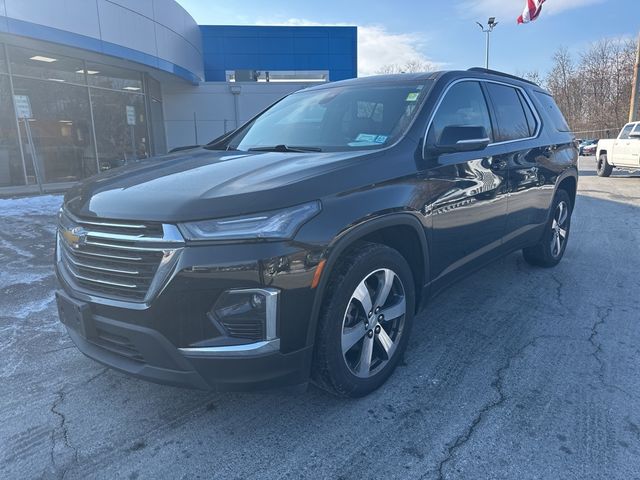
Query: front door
(623,148)
(468,190)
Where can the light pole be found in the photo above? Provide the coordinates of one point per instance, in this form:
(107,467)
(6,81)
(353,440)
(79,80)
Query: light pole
(491,24)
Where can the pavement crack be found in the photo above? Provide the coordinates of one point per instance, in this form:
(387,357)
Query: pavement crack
(603,314)
(559,287)
(498,385)
(60,397)
(97,375)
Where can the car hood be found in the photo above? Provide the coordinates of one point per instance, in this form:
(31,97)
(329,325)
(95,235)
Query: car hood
(200,183)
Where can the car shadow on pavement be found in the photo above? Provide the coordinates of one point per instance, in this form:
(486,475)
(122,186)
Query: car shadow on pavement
(507,372)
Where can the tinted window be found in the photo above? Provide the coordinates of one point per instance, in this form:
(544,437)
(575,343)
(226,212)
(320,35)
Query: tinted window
(624,134)
(464,105)
(531,119)
(510,117)
(549,105)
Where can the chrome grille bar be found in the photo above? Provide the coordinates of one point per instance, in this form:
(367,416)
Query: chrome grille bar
(105,259)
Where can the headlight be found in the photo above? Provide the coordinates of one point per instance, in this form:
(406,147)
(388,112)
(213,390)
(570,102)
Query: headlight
(276,225)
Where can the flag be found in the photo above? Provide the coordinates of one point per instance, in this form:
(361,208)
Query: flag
(531,11)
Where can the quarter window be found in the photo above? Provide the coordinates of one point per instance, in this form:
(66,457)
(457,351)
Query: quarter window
(464,105)
(549,105)
(511,119)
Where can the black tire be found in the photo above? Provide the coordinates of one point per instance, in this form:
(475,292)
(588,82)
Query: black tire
(603,167)
(331,370)
(545,253)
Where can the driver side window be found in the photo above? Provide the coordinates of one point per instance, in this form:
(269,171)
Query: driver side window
(463,105)
(624,135)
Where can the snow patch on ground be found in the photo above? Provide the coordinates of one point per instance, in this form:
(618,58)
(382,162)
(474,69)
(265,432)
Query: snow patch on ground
(40,205)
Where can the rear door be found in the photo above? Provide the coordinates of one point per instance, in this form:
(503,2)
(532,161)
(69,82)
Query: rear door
(517,126)
(468,189)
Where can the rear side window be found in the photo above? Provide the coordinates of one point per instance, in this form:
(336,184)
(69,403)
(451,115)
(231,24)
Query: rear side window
(549,105)
(463,106)
(531,119)
(511,119)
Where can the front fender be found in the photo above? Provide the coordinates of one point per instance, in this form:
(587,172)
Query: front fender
(351,235)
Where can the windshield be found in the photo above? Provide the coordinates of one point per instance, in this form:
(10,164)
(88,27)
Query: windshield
(333,119)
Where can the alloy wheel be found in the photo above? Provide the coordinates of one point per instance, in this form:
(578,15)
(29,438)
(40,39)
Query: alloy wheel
(560,229)
(373,323)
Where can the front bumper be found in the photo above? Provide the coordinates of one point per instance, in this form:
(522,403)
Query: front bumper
(169,340)
(145,353)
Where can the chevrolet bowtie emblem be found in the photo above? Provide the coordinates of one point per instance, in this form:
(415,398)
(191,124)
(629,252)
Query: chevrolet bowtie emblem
(74,237)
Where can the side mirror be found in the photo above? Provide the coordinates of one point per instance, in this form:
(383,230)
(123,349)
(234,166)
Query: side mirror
(458,138)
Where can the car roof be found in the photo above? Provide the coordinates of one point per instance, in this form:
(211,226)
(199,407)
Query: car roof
(479,73)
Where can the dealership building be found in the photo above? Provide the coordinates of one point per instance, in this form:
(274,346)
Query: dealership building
(89,85)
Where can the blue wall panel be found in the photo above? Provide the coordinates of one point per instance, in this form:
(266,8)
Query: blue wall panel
(279,48)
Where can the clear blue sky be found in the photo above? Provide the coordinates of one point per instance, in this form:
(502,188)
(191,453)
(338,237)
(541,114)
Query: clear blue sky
(442,31)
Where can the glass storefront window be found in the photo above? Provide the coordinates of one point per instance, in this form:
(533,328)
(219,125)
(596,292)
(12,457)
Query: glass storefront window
(121,127)
(114,78)
(61,131)
(83,117)
(48,66)
(11,168)
(3,60)
(158,137)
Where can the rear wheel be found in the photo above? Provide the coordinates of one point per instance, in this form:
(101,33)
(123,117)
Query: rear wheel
(603,167)
(550,250)
(365,321)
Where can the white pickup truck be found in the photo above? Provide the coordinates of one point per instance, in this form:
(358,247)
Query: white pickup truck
(623,152)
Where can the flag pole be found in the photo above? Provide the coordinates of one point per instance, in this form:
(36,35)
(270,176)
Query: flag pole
(491,24)
(634,111)
(488,47)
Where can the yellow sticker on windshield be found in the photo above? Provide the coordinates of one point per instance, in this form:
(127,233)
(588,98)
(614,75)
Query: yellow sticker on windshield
(412,97)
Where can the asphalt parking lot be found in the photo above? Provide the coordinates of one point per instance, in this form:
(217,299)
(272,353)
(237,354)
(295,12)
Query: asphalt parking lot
(515,372)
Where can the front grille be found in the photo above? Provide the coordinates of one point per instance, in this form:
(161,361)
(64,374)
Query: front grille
(113,259)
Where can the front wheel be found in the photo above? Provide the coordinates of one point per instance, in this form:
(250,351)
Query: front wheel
(603,167)
(365,321)
(550,250)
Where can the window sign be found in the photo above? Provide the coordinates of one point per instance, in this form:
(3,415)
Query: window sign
(23,106)
(131,115)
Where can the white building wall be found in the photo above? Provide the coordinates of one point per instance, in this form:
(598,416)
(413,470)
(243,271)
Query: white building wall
(160,28)
(214,108)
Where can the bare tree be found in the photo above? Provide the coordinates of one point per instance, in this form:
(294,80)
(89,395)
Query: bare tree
(594,91)
(412,66)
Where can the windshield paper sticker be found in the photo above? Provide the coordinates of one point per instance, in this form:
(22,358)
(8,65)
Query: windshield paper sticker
(366,137)
(368,140)
(413,96)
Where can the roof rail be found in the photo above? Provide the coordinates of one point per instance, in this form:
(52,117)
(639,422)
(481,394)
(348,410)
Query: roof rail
(501,74)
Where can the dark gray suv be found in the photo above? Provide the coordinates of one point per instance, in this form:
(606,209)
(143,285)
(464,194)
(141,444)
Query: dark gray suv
(301,245)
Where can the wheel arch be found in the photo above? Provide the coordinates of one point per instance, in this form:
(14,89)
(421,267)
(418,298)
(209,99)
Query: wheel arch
(570,185)
(383,230)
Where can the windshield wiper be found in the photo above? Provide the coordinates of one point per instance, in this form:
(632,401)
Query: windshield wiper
(285,148)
